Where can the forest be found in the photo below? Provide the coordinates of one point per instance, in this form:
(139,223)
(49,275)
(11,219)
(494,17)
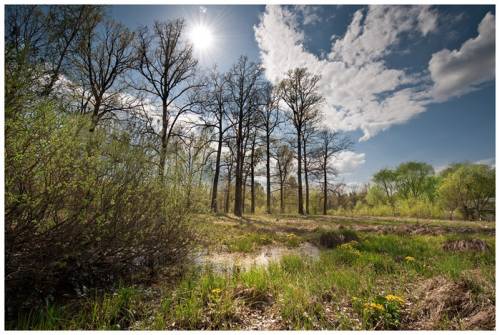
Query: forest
(123,155)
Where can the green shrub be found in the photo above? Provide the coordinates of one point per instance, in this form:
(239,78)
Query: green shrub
(82,210)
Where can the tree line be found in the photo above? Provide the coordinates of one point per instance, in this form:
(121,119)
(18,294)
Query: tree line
(462,190)
(106,72)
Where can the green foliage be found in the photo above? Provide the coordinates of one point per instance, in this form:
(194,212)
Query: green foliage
(383,312)
(375,196)
(468,188)
(82,209)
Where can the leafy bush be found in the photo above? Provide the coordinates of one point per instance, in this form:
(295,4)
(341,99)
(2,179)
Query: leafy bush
(81,212)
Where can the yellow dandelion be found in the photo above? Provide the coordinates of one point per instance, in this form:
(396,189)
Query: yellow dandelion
(394,298)
(374,306)
(216,291)
(410,259)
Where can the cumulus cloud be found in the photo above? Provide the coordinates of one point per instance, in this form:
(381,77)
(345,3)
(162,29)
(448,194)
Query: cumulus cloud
(372,33)
(360,90)
(347,161)
(458,72)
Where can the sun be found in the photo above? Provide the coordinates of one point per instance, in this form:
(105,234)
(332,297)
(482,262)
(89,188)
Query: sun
(201,36)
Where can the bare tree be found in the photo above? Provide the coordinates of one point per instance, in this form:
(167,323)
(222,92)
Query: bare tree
(46,38)
(214,116)
(299,92)
(229,163)
(330,144)
(242,79)
(167,64)
(271,118)
(255,158)
(104,55)
(309,132)
(284,158)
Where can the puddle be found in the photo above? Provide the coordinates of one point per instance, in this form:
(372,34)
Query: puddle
(224,262)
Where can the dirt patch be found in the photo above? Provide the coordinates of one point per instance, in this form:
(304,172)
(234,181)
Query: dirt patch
(466,245)
(442,303)
(253,297)
(268,318)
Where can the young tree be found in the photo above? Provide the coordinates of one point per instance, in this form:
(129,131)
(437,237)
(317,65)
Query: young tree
(167,64)
(469,188)
(330,144)
(243,79)
(299,90)
(387,180)
(413,179)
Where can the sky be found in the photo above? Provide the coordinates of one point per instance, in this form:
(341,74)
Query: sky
(404,82)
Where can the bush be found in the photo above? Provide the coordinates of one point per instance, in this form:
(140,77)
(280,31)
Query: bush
(81,212)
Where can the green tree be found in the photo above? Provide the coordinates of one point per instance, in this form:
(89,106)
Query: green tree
(413,180)
(387,180)
(469,189)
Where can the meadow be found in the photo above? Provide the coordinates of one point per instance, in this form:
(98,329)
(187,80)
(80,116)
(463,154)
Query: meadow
(367,273)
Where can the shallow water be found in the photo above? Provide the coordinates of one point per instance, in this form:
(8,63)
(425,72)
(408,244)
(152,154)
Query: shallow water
(224,262)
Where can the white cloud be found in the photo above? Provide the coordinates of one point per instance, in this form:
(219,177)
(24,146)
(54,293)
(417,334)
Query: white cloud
(310,14)
(360,90)
(458,72)
(347,161)
(370,35)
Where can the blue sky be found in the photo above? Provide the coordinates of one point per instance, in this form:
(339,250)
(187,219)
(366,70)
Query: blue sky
(407,83)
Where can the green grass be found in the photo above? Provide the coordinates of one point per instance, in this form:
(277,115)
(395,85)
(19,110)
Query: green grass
(324,293)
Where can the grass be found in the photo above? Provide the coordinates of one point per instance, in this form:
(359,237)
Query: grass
(330,292)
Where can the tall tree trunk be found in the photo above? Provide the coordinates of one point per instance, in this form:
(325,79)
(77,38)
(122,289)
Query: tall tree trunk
(268,174)
(306,178)
(299,173)
(325,188)
(243,193)
(238,211)
(282,197)
(163,149)
(228,190)
(252,177)
(213,203)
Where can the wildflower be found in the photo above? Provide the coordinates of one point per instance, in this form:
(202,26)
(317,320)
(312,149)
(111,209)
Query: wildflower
(409,259)
(394,298)
(350,247)
(373,306)
(216,291)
